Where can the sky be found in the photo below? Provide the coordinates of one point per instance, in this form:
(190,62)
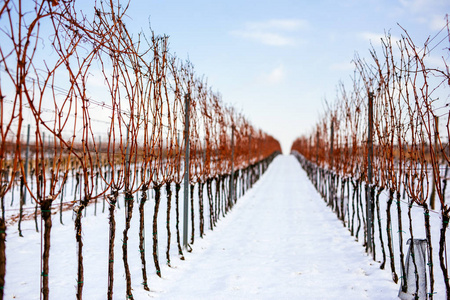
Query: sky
(278,61)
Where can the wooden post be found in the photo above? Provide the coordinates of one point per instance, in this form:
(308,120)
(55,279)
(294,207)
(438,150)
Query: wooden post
(186,172)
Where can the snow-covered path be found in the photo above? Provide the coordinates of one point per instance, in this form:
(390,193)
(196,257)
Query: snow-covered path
(279,242)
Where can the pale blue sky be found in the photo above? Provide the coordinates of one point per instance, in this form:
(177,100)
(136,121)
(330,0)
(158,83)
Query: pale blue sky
(278,60)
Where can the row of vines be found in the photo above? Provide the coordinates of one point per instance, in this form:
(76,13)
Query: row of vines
(107,111)
(387,138)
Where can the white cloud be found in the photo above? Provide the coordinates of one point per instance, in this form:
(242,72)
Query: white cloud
(279,24)
(276,32)
(414,5)
(375,38)
(266,38)
(275,76)
(431,13)
(437,22)
(342,66)
(423,6)
(434,62)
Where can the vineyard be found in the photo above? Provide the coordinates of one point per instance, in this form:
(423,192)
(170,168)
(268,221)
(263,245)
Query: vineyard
(135,156)
(94,117)
(380,156)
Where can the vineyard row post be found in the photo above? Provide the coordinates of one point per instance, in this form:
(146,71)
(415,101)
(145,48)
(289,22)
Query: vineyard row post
(331,143)
(317,147)
(127,156)
(332,187)
(186,172)
(232,168)
(369,202)
(249,149)
(26,164)
(433,181)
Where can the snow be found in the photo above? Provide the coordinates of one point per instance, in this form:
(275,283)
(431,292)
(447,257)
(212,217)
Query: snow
(280,241)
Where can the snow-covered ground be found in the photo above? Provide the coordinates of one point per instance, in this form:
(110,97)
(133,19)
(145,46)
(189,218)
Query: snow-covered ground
(280,241)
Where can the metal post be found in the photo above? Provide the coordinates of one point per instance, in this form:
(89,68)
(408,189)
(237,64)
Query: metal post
(178,149)
(317,147)
(249,150)
(331,199)
(99,151)
(433,182)
(249,161)
(369,201)
(232,167)
(26,164)
(186,172)
(204,154)
(127,161)
(331,144)
(310,147)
